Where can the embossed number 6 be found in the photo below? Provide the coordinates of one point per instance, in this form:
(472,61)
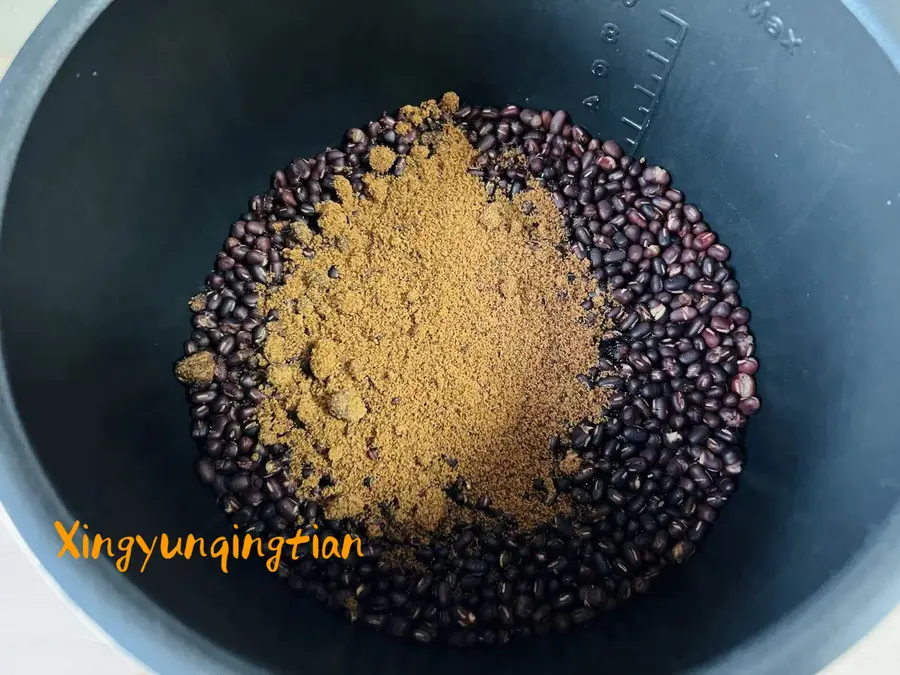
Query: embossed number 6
(600,68)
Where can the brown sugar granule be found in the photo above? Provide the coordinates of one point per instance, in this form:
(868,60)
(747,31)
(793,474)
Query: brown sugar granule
(196,369)
(450,102)
(301,232)
(570,463)
(348,405)
(427,110)
(352,605)
(381,158)
(454,329)
(510,159)
(324,359)
(343,188)
(375,187)
(198,302)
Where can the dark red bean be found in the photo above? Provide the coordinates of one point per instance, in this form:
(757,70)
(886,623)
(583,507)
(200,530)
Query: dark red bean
(612,149)
(703,241)
(683,314)
(743,385)
(557,121)
(718,252)
(656,175)
(692,213)
(721,324)
(749,406)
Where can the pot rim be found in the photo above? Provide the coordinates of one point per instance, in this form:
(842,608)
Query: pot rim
(817,632)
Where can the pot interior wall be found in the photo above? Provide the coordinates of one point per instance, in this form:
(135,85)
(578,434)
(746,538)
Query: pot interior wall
(169,114)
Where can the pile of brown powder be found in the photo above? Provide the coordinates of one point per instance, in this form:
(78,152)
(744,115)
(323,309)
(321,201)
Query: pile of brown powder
(434,334)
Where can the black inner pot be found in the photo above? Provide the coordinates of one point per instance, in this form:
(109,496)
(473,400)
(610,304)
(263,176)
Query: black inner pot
(168,114)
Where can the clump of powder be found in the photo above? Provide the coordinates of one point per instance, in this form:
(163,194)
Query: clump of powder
(445,343)
(198,302)
(382,158)
(197,369)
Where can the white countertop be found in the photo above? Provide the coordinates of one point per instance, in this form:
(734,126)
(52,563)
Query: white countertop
(41,632)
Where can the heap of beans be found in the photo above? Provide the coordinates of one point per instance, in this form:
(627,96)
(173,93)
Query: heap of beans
(654,475)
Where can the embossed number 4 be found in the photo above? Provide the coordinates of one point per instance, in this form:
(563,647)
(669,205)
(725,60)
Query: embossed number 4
(593,102)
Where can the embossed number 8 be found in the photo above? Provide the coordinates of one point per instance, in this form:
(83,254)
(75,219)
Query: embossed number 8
(611,32)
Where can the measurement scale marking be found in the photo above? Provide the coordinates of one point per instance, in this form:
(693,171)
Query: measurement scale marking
(647,112)
(659,57)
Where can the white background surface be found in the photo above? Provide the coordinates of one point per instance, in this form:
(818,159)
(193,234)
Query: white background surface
(41,633)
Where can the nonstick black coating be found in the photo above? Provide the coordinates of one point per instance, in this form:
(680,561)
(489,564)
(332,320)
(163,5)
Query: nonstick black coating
(168,114)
